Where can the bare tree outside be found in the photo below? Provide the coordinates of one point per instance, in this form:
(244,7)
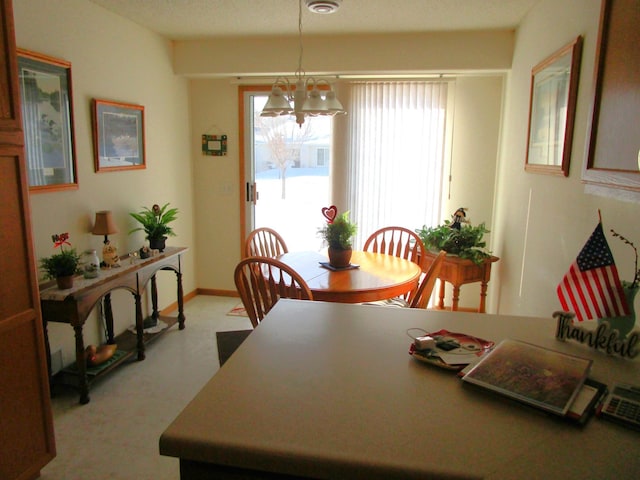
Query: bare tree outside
(284,139)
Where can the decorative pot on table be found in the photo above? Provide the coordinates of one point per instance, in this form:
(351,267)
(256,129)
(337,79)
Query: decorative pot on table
(624,323)
(157,243)
(64,282)
(338,257)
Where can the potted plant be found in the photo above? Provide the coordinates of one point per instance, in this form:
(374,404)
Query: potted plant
(61,266)
(465,242)
(338,234)
(155,223)
(625,323)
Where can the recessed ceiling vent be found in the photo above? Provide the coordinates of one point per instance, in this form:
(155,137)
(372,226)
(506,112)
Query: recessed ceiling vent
(323,6)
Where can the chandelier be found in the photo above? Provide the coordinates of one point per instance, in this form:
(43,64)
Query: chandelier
(305,96)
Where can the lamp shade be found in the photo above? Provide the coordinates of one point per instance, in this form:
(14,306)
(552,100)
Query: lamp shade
(104,224)
(314,104)
(276,104)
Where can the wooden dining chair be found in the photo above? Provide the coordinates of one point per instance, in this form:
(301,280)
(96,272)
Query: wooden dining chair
(262,281)
(399,242)
(265,242)
(419,298)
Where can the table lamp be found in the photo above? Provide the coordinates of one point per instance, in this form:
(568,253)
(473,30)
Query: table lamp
(104,225)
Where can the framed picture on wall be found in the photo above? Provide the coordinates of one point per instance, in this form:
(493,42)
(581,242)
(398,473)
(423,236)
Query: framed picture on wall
(47,120)
(554,91)
(118,136)
(613,156)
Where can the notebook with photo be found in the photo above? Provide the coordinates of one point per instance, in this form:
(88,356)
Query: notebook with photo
(535,375)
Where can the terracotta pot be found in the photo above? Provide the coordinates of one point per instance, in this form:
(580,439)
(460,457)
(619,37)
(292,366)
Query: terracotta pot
(339,258)
(157,243)
(65,282)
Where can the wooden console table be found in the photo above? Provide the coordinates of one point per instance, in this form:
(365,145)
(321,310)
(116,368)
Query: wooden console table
(73,306)
(458,271)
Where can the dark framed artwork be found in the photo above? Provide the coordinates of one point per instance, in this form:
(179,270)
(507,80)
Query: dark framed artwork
(613,155)
(118,136)
(47,120)
(552,107)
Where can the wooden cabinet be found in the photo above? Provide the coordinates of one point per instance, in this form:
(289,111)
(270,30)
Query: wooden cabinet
(26,422)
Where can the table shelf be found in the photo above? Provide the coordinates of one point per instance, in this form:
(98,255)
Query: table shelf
(127,347)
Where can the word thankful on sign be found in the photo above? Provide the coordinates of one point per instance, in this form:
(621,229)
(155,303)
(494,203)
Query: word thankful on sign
(602,338)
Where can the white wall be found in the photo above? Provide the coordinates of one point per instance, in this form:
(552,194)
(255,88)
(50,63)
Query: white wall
(113,59)
(215,110)
(543,221)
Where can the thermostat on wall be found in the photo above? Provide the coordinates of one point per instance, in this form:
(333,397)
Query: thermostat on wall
(215,145)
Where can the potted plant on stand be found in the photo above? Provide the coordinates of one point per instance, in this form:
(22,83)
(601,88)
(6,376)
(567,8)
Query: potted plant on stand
(338,234)
(464,241)
(61,266)
(155,223)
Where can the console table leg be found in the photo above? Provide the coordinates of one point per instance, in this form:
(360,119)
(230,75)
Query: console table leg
(81,365)
(154,300)
(180,302)
(139,328)
(108,318)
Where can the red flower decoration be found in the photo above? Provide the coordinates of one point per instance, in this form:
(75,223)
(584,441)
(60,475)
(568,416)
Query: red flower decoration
(60,239)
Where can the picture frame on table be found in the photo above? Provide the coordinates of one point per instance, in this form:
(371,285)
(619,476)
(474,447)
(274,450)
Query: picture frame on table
(552,107)
(118,136)
(47,121)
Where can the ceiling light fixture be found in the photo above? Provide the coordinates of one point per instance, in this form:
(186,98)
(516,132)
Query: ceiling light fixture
(323,6)
(304,104)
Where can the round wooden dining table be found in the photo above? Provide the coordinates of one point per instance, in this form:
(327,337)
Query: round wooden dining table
(372,276)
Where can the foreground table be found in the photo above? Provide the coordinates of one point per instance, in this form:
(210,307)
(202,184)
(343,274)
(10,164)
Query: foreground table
(379,276)
(327,390)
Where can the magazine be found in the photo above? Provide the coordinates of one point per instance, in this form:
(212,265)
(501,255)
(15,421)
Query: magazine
(535,375)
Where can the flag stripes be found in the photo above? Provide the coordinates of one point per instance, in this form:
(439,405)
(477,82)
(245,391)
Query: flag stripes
(592,288)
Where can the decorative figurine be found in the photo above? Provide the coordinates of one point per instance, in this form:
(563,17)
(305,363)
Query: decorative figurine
(110,256)
(98,355)
(458,218)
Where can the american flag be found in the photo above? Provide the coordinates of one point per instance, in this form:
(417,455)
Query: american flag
(591,288)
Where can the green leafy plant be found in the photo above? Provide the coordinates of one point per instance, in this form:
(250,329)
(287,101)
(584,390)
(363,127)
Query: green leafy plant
(467,242)
(636,278)
(155,221)
(61,264)
(339,233)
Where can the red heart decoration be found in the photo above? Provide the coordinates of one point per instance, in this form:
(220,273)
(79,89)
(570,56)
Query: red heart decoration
(330,213)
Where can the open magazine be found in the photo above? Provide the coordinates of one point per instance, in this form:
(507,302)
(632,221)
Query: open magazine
(535,375)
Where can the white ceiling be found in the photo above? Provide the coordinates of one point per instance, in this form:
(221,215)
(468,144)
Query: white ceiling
(188,19)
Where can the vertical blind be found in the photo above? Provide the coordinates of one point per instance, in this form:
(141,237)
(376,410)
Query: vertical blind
(397,132)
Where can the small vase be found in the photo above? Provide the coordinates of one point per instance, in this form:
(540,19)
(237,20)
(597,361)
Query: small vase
(338,257)
(90,264)
(65,282)
(624,323)
(157,243)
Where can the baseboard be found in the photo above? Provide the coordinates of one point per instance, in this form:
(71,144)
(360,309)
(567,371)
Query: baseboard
(216,292)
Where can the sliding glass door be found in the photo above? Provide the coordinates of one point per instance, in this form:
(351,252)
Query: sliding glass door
(285,172)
